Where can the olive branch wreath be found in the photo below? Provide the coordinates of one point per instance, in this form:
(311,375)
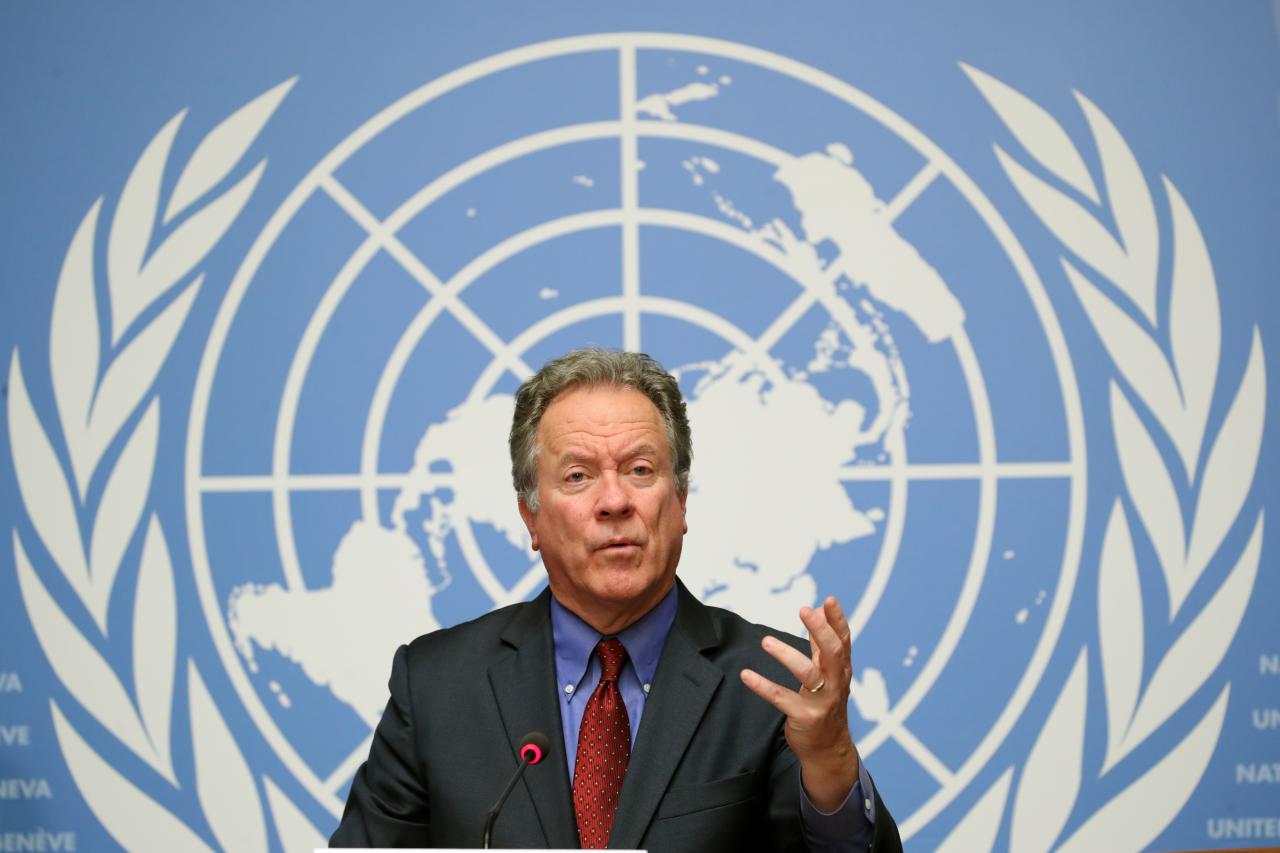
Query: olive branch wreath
(1168,365)
(150,287)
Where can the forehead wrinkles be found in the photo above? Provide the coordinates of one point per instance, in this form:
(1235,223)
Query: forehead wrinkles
(587,420)
(597,427)
(615,437)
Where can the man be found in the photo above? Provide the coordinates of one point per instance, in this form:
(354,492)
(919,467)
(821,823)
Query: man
(656,738)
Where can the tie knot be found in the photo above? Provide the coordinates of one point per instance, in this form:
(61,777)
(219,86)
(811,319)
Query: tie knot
(612,656)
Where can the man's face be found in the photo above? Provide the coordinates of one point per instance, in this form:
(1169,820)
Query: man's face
(609,521)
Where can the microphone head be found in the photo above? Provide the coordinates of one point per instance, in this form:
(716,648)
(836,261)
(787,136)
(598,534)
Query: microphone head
(533,747)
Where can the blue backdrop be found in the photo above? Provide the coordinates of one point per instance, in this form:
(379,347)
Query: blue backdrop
(973,305)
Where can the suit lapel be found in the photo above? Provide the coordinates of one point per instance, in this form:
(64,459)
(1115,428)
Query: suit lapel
(682,689)
(527,701)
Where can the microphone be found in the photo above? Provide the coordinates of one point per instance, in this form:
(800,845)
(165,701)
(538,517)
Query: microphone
(533,748)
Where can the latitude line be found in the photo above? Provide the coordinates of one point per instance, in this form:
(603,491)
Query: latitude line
(219,483)
(961,471)
(414,266)
(630,184)
(929,762)
(211,483)
(911,191)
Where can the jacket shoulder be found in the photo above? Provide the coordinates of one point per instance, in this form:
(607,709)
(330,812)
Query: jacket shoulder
(482,637)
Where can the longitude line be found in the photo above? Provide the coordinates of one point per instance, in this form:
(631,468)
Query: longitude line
(922,754)
(785,320)
(421,273)
(911,190)
(630,183)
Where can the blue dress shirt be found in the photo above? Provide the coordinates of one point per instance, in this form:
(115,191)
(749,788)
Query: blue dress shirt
(578,672)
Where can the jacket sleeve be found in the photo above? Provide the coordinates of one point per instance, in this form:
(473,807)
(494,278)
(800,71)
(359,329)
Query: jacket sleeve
(886,838)
(388,805)
(861,823)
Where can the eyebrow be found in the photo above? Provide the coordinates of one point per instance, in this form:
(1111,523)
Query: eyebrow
(573,456)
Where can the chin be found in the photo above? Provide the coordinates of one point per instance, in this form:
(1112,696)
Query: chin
(622,583)
(622,589)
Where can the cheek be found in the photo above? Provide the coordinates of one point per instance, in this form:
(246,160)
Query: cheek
(565,528)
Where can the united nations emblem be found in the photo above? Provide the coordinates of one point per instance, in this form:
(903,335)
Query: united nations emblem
(881,396)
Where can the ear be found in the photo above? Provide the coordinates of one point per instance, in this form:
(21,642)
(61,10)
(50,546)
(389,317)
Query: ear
(529,517)
(684,496)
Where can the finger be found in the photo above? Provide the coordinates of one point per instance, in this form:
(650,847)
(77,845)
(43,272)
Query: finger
(833,658)
(786,701)
(821,633)
(836,619)
(796,662)
(814,649)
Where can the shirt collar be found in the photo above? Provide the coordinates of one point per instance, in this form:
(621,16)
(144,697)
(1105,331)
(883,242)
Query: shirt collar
(575,640)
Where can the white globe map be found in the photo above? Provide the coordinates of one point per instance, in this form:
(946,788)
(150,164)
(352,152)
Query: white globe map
(780,432)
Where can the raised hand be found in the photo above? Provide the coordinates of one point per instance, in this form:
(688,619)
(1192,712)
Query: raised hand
(817,710)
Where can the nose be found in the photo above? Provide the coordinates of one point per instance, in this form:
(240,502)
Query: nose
(613,500)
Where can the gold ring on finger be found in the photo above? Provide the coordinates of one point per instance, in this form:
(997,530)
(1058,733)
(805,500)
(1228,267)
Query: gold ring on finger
(821,684)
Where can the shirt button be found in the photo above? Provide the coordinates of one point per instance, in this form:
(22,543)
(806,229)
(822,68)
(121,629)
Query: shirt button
(568,688)
(646,690)
(866,804)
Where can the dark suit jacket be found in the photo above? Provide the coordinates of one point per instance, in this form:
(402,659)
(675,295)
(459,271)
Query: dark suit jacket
(710,769)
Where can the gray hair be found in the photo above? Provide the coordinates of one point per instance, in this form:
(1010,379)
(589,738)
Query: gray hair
(591,367)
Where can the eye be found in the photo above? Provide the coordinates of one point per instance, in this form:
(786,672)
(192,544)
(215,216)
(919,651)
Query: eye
(575,477)
(641,470)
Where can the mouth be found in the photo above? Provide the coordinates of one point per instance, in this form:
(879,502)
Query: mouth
(618,545)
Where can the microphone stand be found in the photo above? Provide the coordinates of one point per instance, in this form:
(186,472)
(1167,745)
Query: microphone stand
(533,747)
(492,817)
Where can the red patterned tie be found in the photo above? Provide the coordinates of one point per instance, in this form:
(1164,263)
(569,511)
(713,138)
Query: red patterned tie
(604,747)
